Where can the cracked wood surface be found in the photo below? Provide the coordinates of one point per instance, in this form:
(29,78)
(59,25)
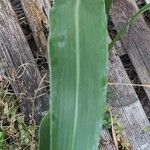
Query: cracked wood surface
(106,142)
(126,107)
(36,13)
(19,65)
(137,41)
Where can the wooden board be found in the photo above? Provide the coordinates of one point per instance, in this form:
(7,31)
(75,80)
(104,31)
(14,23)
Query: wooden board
(20,69)
(36,14)
(119,49)
(137,42)
(106,141)
(126,107)
(45,5)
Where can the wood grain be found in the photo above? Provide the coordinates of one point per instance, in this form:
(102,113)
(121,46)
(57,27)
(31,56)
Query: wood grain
(19,65)
(36,14)
(106,141)
(127,107)
(137,41)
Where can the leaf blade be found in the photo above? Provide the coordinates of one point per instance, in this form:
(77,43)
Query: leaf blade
(44,142)
(78,50)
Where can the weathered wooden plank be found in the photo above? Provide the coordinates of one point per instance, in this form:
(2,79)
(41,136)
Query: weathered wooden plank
(106,141)
(36,14)
(119,49)
(19,66)
(45,5)
(126,107)
(137,41)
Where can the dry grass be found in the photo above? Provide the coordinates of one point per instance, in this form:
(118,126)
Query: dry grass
(14,133)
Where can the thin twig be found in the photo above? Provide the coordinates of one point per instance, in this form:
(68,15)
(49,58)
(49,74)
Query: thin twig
(130,84)
(113,129)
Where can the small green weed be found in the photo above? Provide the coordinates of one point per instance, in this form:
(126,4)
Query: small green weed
(2,139)
(147,129)
(14,133)
(107,119)
(123,143)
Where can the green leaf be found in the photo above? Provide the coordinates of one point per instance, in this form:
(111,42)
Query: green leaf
(130,22)
(2,139)
(108,6)
(44,143)
(78,53)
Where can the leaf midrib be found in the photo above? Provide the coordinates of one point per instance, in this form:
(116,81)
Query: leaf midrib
(77,47)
